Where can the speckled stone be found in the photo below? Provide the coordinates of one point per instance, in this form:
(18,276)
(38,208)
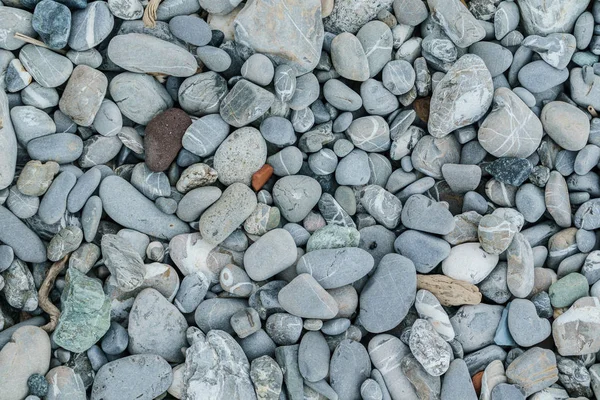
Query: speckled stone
(162,140)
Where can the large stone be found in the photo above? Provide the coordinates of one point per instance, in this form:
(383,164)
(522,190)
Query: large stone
(8,144)
(145,54)
(349,58)
(138,212)
(334,268)
(294,35)
(456,21)
(543,17)
(533,371)
(83,95)
(388,294)
(85,315)
(36,60)
(469,262)
(26,245)
(143,376)
(511,129)
(28,352)
(65,383)
(576,331)
(462,97)
(156,327)
(90,26)
(350,366)
(240,155)
(245,103)
(14,20)
(216,368)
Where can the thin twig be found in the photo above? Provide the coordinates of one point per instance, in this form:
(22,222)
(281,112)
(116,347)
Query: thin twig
(44,302)
(149,17)
(31,40)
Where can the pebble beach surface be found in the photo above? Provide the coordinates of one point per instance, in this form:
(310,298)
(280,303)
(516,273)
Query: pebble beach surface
(299,199)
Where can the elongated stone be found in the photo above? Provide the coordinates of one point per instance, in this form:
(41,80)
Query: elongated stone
(334,268)
(36,59)
(83,95)
(557,199)
(462,97)
(139,212)
(142,53)
(350,366)
(8,144)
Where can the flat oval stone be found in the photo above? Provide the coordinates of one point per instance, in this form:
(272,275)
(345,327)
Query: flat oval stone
(83,95)
(191,29)
(139,96)
(295,196)
(520,274)
(202,94)
(271,254)
(538,76)
(234,206)
(567,125)
(510,129)
(334,268)
(349,58)
(313,357)
(240,155)
(534,370)
(462,97)
(142,53)
(61,147)
(108,120)
(346,376)
(136,376)
(26,245)
(388,294)
(205,135)
(425,251)
(339,95)
(305,298)
(138,212)
(557,199)
(377,41)
(370,133)
(14,20)
(193,204)
(496,58)
(90,26)
(54,203)
(245,103)
(215,314)
(162,140)
(99,150)
(214,58)
(36,60)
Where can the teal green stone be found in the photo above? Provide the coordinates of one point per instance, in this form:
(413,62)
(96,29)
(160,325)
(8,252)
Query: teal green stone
(85,315)
(567,290)
(333,237)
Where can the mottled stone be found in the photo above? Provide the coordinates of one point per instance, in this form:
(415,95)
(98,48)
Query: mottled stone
(267,378)
(457,22)
(83,95)
(245,103)
(542,18)
(534,370)
(90,26)
(350,366)
(429,153)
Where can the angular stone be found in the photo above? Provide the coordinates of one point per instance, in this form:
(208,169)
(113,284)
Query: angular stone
(575,332)
(533,371)
(123,262)
(19,287)
(83,95)
(542,18)
(245,103)
(287,358)
(457,22)
(305,298)
(85,315)
(294,38)
(8,143)
(462,97)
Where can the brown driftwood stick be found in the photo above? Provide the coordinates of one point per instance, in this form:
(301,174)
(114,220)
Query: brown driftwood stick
(44,302)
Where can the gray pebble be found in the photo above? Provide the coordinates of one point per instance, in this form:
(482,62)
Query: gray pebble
(258,69)
(54,202)
(341,96)
(295,196)
(278,131)
(115,340)
(190,29)
(21,205)
(353,170)
(284,82)
(539,76)
(64,242)
(286,162)
(425,251)
(38,96)
(90,26)
(35,59)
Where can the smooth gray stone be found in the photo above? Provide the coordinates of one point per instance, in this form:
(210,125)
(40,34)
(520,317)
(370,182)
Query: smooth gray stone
(530,202)
(462,178)
(216,313)
(14,20)
(245,103)
(54,202)
(284,82)
(504,391)
(506,19)
(136,376)
(156,327)
(323,162)
(258,69)
(496,58)
(304,297)
(333,212)
(303,119)
(191,29)
(115,340)
(8,144)
(21,205)
(457,22)
(379,314)
(350,366)
(91,58)
(424,250)
(38,96)
(214,58)
(90,26)
(86,185)
(557,16)
(475,325)
(478,360)
(382,205)
(287,358)
(339,95)
(36,60)
(377,100)
(353,170)
(386,352)
(26,245)
(423,214)
(457,382)
(151,184)
(6,257)
(349,58)
(60,147)
(140,97)
(31,123)
(257,345)
(526,328)
(193,204)
(295,196)
(138,212)
(587,159)
(306,92)
(90,217)
(6,334)
(172,8)
(270,255)
(398,76)
(538,76)
(583,30)
(285,329)
(377,41)
(205,135)
(99,150)
(192,291)
(143,53)
(370,390)
(108,120)
(297,43)
(566,124)
(334,268)
(16,77)
(278,131)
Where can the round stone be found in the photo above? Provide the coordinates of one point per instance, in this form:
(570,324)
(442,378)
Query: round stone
(568,126)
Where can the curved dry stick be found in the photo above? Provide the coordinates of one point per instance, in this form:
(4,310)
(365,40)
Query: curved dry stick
(149,17)
(28,39)
(44,302)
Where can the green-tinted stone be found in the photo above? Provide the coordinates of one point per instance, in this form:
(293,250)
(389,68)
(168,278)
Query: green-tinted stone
(566,290)
(85,316)
(333,237)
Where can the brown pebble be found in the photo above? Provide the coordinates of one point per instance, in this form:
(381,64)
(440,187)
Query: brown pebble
(261,177)
(449,292)
(477,382)
(162,140)
(421,106)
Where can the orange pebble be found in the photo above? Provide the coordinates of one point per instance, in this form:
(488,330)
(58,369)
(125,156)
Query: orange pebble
(261,177)
(477,382)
